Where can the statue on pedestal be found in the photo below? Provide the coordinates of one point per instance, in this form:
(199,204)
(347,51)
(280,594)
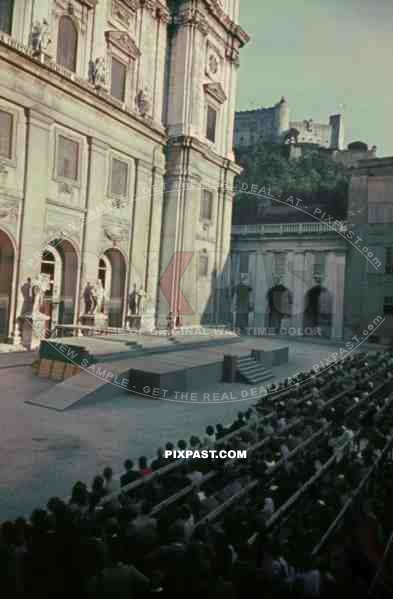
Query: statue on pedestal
(27,292)
(32,322)
(33,293)
(40,37)
(132,301)
(143,102)
(98,72)
(140,302)
(99,294)
(89,298)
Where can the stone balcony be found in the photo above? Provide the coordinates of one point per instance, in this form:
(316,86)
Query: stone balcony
(291,229)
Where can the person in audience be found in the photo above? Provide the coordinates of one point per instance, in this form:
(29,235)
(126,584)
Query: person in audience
(160,460)
(79,501)
(111,484)
(130,474)
(220,432)
(154,537)
(209,439)
(144,468)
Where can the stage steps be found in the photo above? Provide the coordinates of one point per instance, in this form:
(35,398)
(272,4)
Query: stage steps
(251,371)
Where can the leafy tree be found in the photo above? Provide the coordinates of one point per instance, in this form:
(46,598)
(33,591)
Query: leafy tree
(315,175)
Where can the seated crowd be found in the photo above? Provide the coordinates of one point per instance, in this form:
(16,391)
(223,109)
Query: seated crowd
(232,528)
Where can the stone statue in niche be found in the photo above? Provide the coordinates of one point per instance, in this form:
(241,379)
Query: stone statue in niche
(40,37)
(143,102)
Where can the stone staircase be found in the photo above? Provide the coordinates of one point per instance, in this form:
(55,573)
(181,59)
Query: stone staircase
(251,371)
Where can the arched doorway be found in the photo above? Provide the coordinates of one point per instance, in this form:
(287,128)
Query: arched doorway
(59,261)
(318,312)
(241,305)
(279,300)
(6,272)
(112,272)
(105,276)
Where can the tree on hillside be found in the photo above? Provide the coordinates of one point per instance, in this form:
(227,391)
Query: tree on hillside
(314,175)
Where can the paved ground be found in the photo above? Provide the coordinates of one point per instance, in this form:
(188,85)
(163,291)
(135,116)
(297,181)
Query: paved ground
(43,452)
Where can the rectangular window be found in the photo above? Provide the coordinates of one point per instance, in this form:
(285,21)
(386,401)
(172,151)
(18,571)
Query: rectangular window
(118,79)
(206,211)
(68,157)
(388,305)
(211,124)
(6,10)
(389,260)
(6,127)
(203,265)
(119,177)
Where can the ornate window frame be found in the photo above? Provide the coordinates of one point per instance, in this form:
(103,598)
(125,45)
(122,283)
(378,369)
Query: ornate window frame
(62,132)
(215,98)
(122,47)
(122,14)
(81,13)
(114,196)
(11,110)
(202,218)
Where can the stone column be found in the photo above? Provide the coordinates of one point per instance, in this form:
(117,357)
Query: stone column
(299,288)
(152,270)
(336,277)
(261,289)
(140,224)
(93,230)
(38,156)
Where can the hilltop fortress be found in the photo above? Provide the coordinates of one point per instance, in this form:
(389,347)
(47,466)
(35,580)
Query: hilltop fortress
(273,125)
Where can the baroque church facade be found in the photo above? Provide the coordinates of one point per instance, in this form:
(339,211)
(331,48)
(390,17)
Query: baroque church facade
(116,154)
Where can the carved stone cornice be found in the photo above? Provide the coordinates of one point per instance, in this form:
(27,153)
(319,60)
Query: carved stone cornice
(124,42)
(192,17)
(149,4)
(216,91)
(90,4)
(231,27)
(131,4)
(162,13)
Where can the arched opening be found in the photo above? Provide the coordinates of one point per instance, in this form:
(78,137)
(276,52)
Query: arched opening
(6,271)
(59,261)
(105,276)
(241,304)
(115,285)
(279,300)
(67,43)
(318,312)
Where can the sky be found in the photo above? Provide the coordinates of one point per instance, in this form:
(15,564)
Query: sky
(325,57)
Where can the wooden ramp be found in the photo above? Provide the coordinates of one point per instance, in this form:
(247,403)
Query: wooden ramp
(103,377)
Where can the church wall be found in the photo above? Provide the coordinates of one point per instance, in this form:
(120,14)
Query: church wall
(147,222)
(298,272)
(39,206)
